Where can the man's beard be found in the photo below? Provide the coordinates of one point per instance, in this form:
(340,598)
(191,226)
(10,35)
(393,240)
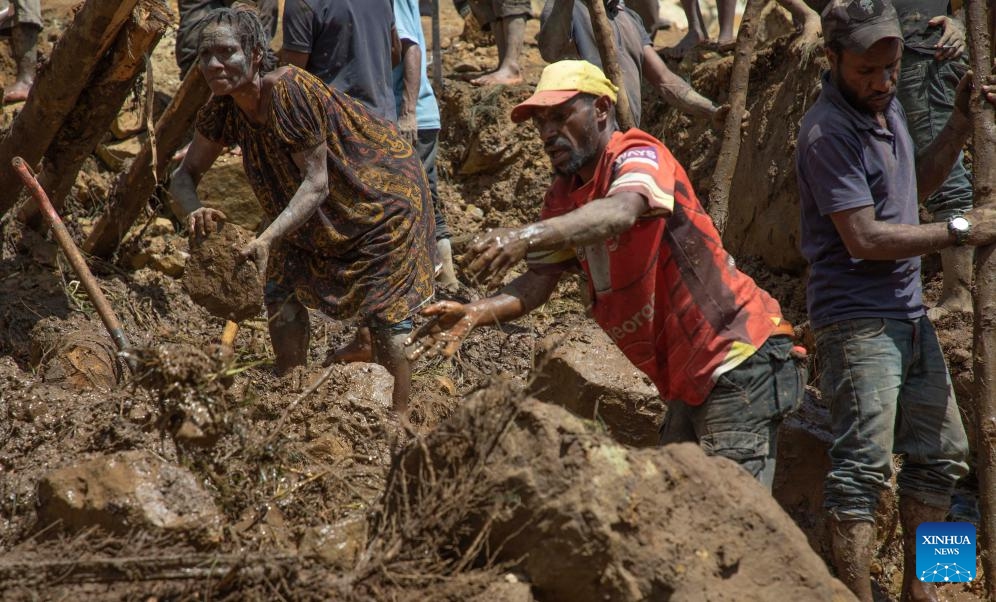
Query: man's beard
(577,157)
(852,97)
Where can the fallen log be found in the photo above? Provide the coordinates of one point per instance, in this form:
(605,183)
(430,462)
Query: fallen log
(984,296)
(100,102)
(133,188)
(729,151)
(58,88)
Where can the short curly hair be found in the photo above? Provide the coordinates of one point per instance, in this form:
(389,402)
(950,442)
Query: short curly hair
(248,29)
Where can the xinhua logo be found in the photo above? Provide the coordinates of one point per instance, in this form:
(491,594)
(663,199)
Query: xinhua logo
(945,552)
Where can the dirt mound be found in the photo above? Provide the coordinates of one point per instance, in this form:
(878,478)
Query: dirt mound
(221,281)
(588,519)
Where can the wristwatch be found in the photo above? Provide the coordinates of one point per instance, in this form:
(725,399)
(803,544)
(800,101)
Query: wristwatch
(959,227)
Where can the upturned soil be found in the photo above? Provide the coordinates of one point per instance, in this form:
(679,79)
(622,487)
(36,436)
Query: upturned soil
(297,466)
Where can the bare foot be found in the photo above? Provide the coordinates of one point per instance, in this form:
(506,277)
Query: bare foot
(506,75)
(959,303)
(360,349)
(726,44)
(691,40)
(807,43)
(18,92)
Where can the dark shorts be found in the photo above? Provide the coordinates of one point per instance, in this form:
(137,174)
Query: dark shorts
(275,294)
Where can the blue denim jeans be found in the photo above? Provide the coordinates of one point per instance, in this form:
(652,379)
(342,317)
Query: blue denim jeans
(889,392)
(926,89)
(739,419)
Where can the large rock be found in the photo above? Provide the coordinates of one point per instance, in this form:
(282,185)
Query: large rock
(220,280)
(586,373)
(588,519)
(126,491)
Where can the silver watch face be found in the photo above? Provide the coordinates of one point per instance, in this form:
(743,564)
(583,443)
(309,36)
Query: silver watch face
(959,224)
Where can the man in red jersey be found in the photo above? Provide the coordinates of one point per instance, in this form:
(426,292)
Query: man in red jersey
(621,209)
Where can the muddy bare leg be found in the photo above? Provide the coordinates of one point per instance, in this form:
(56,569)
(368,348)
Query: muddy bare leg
(807,22)
(389,351)
(956,290)
(360,349)
(696,30)
(290,333)
(727,13)
(510,33)
(24,39)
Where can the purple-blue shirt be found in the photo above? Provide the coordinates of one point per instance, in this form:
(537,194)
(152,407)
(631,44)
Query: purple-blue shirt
(844,160)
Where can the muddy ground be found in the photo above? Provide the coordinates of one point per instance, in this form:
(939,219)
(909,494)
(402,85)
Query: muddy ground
(284,477)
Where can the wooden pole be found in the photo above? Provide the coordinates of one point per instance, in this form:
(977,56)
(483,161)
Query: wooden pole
(133,188)
(58,87)
(101,101)
(729,151)
(984,361)
(605,39)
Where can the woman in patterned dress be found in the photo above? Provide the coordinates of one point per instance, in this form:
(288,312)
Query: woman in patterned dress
(346,196)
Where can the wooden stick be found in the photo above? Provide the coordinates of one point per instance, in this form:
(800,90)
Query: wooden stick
(228,335)
(437,51)
(133,188)
(65,240)
(984,296)
(729,151)
(605,39)
(57,88)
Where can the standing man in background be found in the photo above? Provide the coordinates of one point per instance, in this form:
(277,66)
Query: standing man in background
(347,44)
(418,120)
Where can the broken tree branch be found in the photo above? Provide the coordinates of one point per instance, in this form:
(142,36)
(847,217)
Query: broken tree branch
(58,87)
(984,361)
(133,188)
(729,151)
(605,39)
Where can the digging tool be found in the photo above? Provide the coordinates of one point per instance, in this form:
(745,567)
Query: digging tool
(605,39)
(984,296)
(74,256)
(729,151)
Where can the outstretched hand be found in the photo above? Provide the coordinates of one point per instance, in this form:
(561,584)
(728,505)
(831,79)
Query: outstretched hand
(450,323)
(204,221)
(491,254)
(258,251)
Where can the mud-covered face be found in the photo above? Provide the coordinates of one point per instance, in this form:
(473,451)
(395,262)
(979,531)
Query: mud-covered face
(868,81)
(223,61)
(569,134)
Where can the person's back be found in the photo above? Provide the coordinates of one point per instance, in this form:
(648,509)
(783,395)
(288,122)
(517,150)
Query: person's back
(347,44)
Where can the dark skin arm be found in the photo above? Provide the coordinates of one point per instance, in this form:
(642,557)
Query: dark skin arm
(451,322)
(313,190)
(676,91)
(867,238)
(201,220)
(494,253)
(411,59)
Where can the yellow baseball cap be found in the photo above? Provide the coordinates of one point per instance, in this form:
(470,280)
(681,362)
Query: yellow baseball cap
(560,82)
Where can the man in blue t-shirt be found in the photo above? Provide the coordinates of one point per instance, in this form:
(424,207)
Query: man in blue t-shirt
(347,44)
(418,120)
(883,372)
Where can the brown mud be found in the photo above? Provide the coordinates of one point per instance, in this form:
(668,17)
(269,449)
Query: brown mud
(296,468)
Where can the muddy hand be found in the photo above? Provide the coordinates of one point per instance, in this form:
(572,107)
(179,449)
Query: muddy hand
(259,252)
(491,254)
(952,42)
(983,220)
(204,221)
(450,323)
(718,119)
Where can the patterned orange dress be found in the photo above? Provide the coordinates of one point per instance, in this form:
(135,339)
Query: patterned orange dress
(365,251)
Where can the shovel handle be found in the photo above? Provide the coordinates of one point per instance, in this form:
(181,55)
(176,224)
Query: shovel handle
(228,335)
